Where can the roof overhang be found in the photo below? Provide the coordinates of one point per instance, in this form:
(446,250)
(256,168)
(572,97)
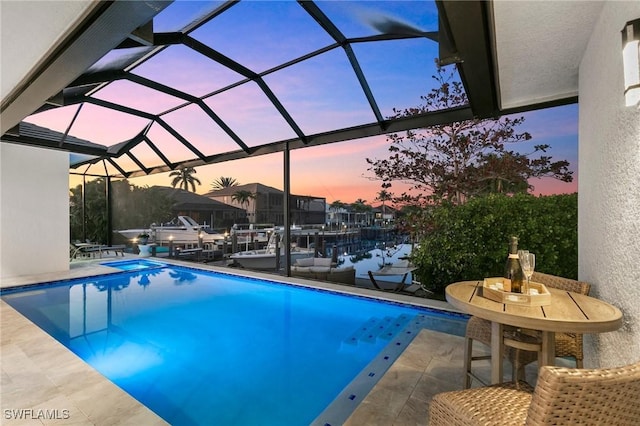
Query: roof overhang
(83,32)
(519,55)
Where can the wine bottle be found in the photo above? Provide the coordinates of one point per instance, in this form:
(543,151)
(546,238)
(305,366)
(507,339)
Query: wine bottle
(513,276)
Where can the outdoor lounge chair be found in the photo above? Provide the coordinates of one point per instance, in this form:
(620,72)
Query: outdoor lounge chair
(402,268)
(74,251)
(119,248)
(562,396)
(88,249)
(323,269)
(523,347)
(399,288)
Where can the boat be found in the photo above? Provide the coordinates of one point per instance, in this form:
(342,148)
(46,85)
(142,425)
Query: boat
(182,229)
(265,259)
(251,233)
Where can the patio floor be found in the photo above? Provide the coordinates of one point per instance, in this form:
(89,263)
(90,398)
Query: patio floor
(41,378)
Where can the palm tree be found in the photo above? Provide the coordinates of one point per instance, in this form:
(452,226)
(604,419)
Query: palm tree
(336,206)
(243,198)
(223,182)
(360,206)
(184,177)
(383,196)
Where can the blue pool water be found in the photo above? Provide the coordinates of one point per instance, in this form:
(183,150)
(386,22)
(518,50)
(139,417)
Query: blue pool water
(199,347)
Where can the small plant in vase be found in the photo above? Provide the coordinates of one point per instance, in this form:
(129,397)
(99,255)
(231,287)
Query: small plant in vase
(143,238)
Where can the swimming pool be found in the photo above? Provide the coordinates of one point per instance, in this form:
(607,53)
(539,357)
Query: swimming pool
(199,347)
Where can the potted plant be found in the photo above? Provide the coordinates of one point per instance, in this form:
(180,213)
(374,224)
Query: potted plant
(143,238)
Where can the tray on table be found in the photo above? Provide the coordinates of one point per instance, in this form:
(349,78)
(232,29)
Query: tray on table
(491,289)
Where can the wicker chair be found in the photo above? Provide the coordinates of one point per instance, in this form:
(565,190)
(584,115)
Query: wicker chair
(562,396)
(480,329)
(523,346)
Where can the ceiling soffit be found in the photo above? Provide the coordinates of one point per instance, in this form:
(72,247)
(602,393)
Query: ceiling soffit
(538,47)
(102,26)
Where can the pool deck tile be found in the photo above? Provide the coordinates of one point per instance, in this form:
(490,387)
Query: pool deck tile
(430,365)
(38,373)
(402,396)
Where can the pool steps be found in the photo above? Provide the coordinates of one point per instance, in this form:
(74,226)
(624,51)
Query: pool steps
(404,328)
(384,328)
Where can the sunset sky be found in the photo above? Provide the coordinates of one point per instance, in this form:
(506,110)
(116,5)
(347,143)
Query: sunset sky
(320,93)
(339,171)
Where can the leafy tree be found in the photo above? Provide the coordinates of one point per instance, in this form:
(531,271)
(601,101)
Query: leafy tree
(470,241)
(184,177)
(503,175)
(88,211)
(460,160)
(223,182)
(410,220)
(337,205)
(132,207)
(138,207)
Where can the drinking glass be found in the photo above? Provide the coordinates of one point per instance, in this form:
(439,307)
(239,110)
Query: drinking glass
(528,264)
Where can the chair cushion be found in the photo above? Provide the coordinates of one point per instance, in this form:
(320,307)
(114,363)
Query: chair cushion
(307,261)
(342,269)
(322,261)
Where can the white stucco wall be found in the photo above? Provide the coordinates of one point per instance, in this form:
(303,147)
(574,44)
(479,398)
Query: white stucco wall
(34,210)
(609,187)
(54,20)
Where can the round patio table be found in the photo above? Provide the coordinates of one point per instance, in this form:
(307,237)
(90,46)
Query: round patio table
(568,312)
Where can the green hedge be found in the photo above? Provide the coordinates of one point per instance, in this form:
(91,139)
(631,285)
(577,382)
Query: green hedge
(470,241)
